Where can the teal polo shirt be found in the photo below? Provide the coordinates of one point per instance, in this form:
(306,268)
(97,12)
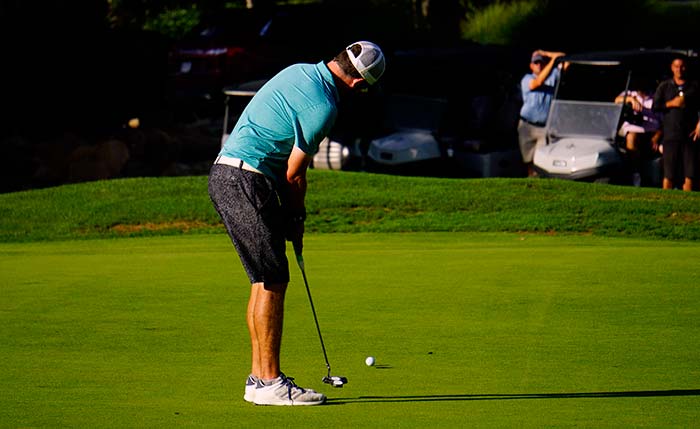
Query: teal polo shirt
(297,107)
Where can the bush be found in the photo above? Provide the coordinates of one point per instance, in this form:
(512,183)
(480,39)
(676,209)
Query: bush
(584,25)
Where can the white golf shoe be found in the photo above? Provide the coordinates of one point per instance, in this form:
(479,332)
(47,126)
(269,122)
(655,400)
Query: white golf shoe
(283,391)
(250,385)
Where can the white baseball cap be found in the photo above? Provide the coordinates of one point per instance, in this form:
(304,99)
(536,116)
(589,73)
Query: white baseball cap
(369,63)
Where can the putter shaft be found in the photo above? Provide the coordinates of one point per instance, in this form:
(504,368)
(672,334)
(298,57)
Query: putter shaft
(300,262)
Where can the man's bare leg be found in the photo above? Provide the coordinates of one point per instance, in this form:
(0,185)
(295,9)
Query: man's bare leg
(255,356)
(266,313)
(688,184)
(265,319)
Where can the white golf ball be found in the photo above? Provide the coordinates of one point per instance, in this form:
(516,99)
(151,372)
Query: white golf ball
(369,361)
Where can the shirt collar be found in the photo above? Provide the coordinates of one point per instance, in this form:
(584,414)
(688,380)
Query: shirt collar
(328,78)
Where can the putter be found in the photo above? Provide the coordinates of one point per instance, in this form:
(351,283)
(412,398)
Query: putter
(333,380)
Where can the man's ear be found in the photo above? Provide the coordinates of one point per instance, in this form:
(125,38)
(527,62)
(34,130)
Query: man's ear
(359,84)
(357,81)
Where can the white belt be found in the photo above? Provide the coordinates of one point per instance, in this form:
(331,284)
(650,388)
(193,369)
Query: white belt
(236,162)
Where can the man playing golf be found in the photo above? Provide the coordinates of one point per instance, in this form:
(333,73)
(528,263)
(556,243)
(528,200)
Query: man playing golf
(258,187)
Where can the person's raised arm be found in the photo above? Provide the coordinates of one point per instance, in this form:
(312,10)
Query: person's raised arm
(546,70)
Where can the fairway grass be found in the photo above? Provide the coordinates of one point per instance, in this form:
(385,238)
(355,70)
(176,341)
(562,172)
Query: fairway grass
(469,330)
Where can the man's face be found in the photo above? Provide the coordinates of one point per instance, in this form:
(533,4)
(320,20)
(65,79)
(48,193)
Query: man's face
(536,66)
(678,68)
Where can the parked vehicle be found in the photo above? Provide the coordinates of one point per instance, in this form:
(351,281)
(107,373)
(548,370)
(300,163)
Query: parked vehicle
(460,121)
(412,143)
(222,52)
(582,130)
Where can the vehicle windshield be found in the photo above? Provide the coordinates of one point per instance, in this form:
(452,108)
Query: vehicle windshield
(584,119)
(584,105)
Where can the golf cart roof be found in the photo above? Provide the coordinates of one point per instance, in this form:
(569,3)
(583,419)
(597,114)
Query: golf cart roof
(628,58)
(602,75)
(245,89)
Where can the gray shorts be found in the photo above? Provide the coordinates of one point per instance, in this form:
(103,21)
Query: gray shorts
(529,138)
(251,212)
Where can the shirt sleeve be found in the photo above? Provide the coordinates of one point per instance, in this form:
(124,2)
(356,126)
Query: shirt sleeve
(525,84)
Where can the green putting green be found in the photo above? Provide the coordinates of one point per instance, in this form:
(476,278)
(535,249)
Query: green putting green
(468,330)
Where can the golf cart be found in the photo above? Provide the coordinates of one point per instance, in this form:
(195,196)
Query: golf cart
(459,121)
(412,144)
(443,137)
(582,131)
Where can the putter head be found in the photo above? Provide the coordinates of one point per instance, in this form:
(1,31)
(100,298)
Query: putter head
(335,380)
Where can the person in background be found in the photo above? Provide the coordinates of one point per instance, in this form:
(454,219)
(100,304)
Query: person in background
(258,186)
(641,129)
(678,99)
(537,89)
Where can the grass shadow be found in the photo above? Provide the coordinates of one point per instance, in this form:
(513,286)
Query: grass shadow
(517,396)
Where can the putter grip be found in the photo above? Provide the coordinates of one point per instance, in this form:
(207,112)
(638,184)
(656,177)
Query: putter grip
(300,258)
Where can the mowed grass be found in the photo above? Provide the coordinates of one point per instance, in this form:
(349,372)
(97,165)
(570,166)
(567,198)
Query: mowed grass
(469,330)
(357,202)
